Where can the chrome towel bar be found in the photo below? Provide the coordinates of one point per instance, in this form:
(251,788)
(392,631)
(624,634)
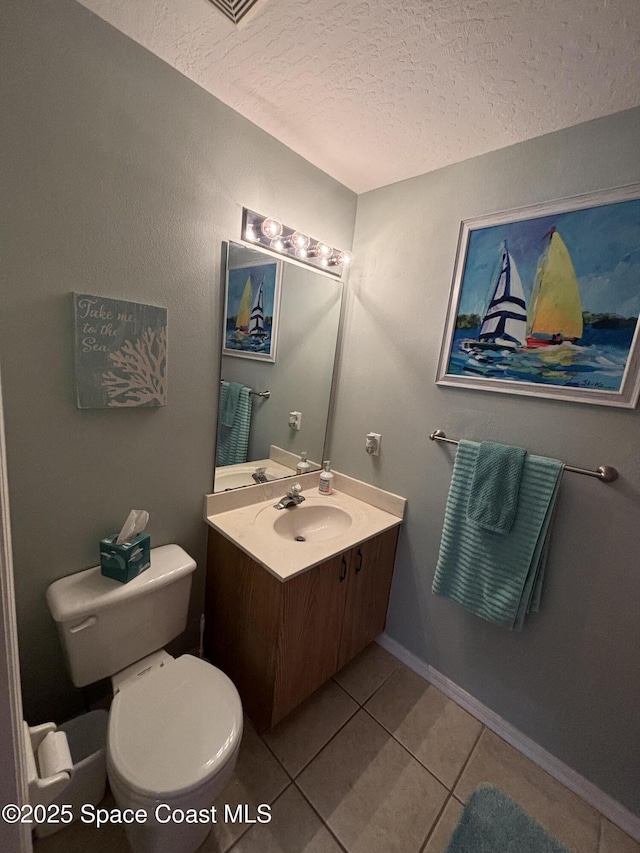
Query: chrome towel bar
(265,394)
(605,472)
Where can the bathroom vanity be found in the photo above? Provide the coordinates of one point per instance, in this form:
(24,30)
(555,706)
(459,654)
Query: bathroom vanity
(292,595)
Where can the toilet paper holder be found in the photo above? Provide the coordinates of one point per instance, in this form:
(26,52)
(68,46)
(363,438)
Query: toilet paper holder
(49,763)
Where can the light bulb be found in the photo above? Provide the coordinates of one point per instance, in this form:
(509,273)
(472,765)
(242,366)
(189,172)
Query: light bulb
(250,233)
(301,253)
(299,240)
(271,227)
(278,244)
(344,259)
(322,250)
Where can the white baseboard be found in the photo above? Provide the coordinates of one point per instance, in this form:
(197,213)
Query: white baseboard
(606,805)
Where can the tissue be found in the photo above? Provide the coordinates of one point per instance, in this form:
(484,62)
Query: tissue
(135,523)
(124,555)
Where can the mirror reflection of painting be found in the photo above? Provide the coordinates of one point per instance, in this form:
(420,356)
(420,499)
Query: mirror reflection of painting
(551,300)
(251,311)
(256,441)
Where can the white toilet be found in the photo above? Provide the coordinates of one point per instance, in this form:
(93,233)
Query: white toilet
(175,724)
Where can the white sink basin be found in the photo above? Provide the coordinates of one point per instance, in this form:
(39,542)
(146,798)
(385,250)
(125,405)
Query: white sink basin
(311,522)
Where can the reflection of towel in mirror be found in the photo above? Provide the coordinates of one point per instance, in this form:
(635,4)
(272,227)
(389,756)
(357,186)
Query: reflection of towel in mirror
(233,438)
(228,413)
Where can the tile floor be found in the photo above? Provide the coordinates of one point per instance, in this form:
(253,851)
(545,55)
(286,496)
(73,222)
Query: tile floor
(376,761)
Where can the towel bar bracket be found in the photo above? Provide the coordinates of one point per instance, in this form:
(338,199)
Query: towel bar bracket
(605,473)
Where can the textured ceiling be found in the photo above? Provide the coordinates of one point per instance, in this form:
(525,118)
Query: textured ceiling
(376,91)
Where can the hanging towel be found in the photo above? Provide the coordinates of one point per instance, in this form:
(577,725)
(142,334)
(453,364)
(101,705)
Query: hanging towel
(493,497)
(228,414)
(233,441)
(497,576)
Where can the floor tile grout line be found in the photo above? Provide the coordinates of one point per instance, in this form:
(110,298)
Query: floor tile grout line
(600,833)
(255,825)
(468,759)
(280,764)
(376,689)
(293,777)
(233,843)
(408,751)
(448,798)
(320,818)
(451,795)
(325,745)
(360,706)
(380,723)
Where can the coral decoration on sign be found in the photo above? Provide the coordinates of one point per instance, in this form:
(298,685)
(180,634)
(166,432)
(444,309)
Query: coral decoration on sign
(141,371)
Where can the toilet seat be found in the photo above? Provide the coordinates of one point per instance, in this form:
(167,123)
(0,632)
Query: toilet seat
(173,728)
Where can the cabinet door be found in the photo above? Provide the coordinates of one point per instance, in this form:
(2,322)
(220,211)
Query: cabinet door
(310,628)
(370,571)
(242,618)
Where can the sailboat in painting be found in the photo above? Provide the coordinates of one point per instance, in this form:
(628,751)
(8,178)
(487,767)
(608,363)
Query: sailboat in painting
(504,326)
(555,311)
(256,321)
(244,310)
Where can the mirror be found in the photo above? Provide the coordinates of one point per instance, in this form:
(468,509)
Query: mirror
(279,338)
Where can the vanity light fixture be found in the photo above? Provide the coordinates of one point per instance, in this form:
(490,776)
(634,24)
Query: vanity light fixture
(273,234)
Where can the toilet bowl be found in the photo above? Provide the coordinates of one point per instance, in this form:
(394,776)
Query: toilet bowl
(175,724)
(172,745)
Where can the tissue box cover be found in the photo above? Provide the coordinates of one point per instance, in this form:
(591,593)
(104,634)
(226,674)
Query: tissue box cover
(124,562)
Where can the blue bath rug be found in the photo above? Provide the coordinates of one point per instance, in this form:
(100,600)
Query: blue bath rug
(493,823)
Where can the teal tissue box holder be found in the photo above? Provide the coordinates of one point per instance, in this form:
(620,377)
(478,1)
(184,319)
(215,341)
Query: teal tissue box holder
(125,562)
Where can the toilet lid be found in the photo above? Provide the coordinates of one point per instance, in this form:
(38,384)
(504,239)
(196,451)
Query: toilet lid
(174,727)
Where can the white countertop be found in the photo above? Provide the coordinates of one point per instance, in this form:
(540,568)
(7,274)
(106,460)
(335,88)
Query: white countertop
(246,518)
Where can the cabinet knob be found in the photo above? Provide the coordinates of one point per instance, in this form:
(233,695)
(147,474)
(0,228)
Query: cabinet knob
(343,571)
(360,558)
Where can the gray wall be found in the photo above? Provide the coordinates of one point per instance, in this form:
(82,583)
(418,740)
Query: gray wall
(570,681)
(120,178)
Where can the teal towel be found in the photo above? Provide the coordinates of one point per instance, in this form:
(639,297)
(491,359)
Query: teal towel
(494,823)
(233,441)
(228,414)
(493,497)
(497,576)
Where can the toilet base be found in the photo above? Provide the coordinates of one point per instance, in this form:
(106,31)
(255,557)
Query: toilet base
(158,836)
(168,838)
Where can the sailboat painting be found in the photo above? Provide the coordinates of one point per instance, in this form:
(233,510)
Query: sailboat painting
(251,311)
(545,302)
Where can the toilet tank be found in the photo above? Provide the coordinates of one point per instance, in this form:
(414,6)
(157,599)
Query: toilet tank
(105,625)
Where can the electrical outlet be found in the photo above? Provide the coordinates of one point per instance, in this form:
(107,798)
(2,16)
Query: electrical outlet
(295,420)
(372,443)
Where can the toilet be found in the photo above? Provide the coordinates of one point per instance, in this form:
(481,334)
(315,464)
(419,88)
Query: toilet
(175,724)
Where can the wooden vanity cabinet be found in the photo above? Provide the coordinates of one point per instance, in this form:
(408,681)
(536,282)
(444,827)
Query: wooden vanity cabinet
(279,641)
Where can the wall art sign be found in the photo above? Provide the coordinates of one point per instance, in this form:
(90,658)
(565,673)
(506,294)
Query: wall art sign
(120,353)
(545,301)
(251,309)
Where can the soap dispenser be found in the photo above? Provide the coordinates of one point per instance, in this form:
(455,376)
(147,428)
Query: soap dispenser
(303,466)
(326,486)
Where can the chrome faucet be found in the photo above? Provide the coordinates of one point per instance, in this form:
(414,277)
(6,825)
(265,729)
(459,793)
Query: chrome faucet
(260,475)
(292,498)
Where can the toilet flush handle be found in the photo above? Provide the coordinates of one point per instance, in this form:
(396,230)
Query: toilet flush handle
(88,622)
